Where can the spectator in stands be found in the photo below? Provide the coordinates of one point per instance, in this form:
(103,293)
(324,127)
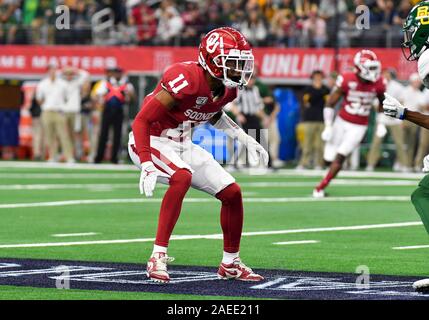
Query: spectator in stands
(78,86)
(389,12)
(284,28)
(170,23)
(116,92)
(349,35)
(178,20)
(385,124)
(51,95)
(143,18)
(80,20)
(254,29)
(327,12)
(214,21)
(193,25)
(40,16)
(313,102)
(229,13)
(402,13)
(314,31)
(9,19)
(415,102)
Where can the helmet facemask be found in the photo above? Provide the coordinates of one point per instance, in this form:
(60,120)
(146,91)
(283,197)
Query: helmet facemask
(416,41)
(237,67)
(370,70)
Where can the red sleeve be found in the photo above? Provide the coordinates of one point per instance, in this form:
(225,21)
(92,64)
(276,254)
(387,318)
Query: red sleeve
(341,82)
(179,81)
(381,88)
(152,111)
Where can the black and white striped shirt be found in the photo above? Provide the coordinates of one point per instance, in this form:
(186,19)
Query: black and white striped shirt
(249,101)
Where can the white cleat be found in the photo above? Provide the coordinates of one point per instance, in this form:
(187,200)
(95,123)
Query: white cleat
(157,267)
(318,194)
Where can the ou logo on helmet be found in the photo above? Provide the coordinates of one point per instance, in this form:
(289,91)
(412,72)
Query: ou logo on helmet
(212,42)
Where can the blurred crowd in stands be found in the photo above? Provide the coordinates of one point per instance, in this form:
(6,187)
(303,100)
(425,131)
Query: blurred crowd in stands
(282,23)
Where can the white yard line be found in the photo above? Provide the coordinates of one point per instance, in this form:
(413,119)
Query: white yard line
(215,236)
(201,200)
(82,234)
(411,247)
(296,242)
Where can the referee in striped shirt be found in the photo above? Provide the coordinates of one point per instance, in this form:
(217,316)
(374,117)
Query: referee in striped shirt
(248,110)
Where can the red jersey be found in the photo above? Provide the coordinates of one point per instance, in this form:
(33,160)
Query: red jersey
(358,97)
(187,84)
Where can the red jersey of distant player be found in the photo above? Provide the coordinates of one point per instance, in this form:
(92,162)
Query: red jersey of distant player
(187,84)
(358,97)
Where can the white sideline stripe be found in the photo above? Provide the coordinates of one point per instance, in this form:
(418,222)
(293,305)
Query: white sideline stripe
(61,235)
(200,200)
(411,247)
(296,242)
(214,236)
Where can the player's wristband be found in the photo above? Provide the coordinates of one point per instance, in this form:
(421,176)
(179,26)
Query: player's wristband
(403,114)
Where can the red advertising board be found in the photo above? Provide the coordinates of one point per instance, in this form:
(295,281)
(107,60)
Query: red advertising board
(276,64)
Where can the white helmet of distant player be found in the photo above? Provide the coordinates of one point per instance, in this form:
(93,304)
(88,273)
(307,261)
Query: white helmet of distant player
(367,64)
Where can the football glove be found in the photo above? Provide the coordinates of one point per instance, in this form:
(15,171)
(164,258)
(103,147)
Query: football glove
(327,133)
(393,108)
(426,164)
(148,177)
(256,152)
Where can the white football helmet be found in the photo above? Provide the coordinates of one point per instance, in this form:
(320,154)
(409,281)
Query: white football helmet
(367,64)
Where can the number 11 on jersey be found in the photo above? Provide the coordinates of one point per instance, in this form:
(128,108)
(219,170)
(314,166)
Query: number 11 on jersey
(182,85)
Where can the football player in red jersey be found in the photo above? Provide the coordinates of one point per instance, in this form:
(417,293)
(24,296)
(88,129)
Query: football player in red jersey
(191,93)
(358,89)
